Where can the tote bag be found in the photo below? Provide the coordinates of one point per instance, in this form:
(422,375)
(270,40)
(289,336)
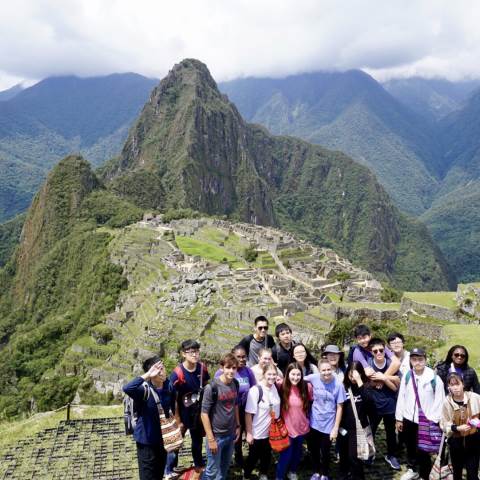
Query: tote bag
(442,468)
(365,443)
(278,434)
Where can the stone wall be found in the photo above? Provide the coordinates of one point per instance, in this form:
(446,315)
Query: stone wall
(435,311)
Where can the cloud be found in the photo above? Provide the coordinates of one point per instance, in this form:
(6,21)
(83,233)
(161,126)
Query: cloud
(41,38)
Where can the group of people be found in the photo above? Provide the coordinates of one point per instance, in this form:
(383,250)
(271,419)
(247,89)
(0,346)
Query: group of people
(324,402)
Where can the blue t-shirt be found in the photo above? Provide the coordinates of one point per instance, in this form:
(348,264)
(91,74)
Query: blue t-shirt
(326,397)
(191,384)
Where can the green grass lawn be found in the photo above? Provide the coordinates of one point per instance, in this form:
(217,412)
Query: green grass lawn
(468,335)
(192,246)
(11,432)
(443,299)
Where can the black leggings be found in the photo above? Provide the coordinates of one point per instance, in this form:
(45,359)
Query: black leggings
(259,450)
(319,445)
(465,452)
(389,424)
(350,464)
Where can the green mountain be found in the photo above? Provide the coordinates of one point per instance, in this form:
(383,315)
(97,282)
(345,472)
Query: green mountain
(350,112)
(41,124)
(433,98)
(454,217)
(57,285)
(192,141)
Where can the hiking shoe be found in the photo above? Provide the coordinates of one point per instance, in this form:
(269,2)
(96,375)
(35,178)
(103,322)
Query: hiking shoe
(292,476)
(410,475)
(315,476)
(393,462)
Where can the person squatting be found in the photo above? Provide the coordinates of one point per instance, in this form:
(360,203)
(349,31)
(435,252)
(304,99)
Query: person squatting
(277,397)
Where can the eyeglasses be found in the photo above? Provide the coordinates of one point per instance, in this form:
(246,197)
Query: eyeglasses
(459,355)
(262,328)
(378,350)
(192,352)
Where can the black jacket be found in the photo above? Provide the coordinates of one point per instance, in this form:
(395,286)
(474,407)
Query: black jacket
(470,379)
(282,357)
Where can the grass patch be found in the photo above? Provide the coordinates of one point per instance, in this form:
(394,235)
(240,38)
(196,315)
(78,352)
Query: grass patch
(208,251)
(11,432)
(442,299)
(468,335)
(371,305)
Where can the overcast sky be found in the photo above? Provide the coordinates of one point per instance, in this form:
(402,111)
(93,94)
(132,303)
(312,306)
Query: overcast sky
(235,38)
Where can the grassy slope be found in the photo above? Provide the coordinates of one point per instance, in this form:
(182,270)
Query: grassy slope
(443,299)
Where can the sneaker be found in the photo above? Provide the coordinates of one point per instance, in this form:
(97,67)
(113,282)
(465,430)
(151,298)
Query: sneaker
(262,477)
(292,476)
(323,477)
(315,476)
(410,475)
(393,462)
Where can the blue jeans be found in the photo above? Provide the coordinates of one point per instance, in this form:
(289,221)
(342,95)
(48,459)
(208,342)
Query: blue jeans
(290,458)
(217,464)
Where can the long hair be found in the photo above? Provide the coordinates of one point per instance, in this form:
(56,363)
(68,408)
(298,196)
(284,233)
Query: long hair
(449,358)
(347,383)
(309,359)
(287,387)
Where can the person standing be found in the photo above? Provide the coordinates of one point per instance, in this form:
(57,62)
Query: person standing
(460,414)
(431,396)
(355,382)
(264,359)
(147,433)
(305,359)
(384,393)
(282,351)
(336,358)
(220,418)
(296,395)
(396,342)
(188,380)
(259,339)
(246,380)
(328,398)
(262,400)
(457,361)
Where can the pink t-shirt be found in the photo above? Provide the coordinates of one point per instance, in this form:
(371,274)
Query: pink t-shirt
(296,420)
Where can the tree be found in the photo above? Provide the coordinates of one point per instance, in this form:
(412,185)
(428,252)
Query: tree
(343,278)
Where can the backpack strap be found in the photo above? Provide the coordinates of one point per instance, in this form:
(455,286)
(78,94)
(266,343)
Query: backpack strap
(260,392)
(180,375)
(433,381)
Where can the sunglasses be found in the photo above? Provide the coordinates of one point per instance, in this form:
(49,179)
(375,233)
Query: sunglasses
(262,328)
(378,350)
(459,355)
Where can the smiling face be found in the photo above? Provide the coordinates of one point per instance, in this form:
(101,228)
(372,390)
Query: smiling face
(270,376)
(265,359)
(326,373)
(295,375)
(229,371)
(333,359)
(299,353)
(458,356)
(241,357)
(363,340)
(191,355)
(396,346)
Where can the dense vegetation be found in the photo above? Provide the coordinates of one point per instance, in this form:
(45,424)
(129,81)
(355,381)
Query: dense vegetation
(69,285)
(202,155)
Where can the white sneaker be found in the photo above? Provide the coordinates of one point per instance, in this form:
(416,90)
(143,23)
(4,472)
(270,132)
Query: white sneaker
(410,475)
(292,476)
(262,477)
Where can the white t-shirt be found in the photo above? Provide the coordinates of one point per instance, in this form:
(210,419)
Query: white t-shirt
(261,410)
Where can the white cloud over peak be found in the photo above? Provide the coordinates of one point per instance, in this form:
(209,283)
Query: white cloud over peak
(42,38)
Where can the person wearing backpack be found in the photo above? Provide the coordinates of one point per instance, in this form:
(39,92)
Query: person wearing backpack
(262,399)
(146,418)
(420,388)
(220,418)
(187,381)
